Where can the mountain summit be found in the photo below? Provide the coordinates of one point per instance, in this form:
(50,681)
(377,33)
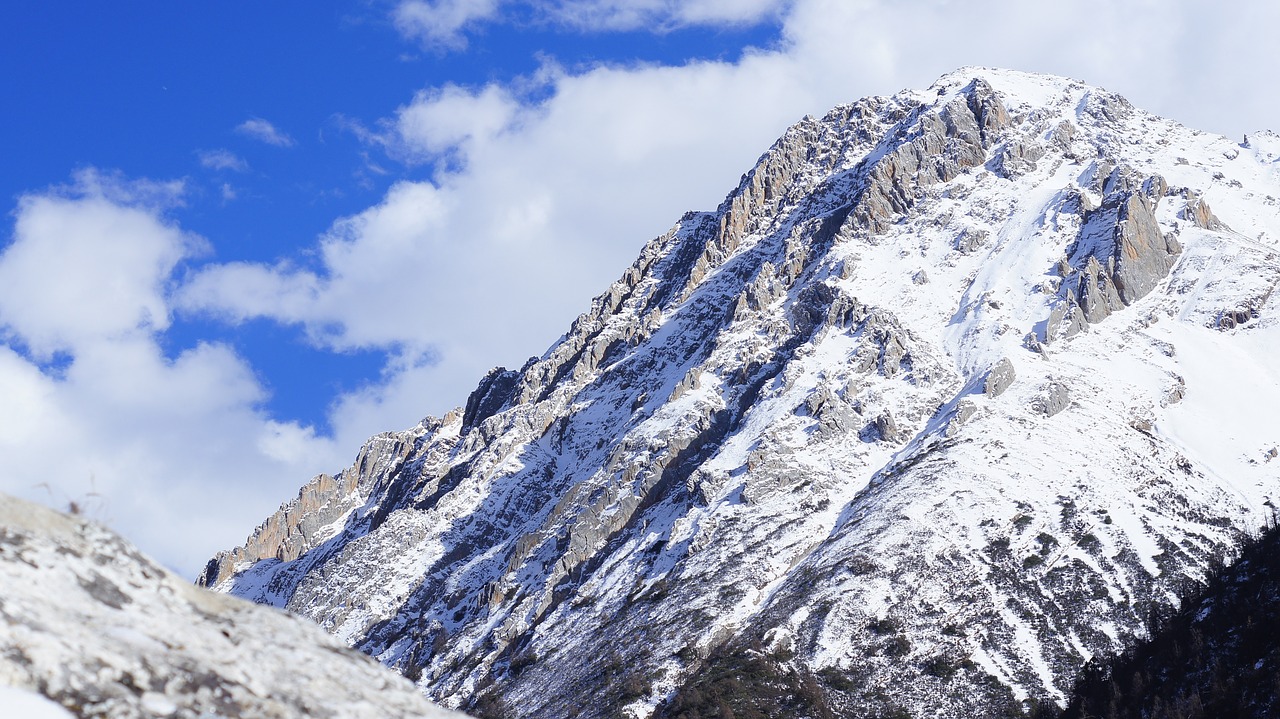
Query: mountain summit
(946,395)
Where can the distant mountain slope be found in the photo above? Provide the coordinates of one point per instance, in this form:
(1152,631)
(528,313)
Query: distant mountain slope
(1219,656)
(89,623)
(951,390)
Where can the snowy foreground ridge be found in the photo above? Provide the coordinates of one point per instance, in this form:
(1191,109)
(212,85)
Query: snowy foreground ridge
(932,409)
(91,628)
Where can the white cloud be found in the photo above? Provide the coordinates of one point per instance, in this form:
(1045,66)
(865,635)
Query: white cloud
(264,131)
(660,15)
(449,120)
(443,24)
(222,160)
(83,267)
(438,24)
(176,448)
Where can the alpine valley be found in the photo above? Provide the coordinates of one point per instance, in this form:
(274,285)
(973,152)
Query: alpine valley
(950,394)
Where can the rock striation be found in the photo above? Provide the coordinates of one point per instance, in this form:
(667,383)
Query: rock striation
(892,429)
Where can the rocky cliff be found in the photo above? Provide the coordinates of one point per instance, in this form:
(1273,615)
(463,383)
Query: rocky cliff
(949,391)
(91,628)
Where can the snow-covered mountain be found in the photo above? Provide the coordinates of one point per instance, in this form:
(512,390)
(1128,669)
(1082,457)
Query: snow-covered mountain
(91,628)
(1216,656)
(929,411)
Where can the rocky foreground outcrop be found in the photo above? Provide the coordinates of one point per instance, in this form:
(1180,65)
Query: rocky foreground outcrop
(90,625)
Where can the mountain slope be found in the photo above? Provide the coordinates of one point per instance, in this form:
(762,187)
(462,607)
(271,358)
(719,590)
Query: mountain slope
(945,394)
(92,625)
(1215,657)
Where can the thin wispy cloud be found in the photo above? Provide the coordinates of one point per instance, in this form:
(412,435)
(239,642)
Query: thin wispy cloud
(439,24)
(263,131)
(659,15)
(222,160)
(444,24)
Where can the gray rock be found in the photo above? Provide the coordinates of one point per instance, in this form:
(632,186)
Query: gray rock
(1176,392)
(1197,211)
(692,380)
(1017,158)
(1097,293)
(1230,319)
(1032,342)
(950,141)
(93,625)
(1121,251)
(999,378)
(834,415)
(893,355)
(963,411)
(1052,399)
(1143,256)
(1065,320)
(971,240)
(886,427)
(1063,135)
(1107,107)
(494,392)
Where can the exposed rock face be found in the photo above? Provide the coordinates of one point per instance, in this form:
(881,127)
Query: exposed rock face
(1197,210)
(1052,400)
(95,627)
(307,521)
(767,445)
(999,378)
(1121,254)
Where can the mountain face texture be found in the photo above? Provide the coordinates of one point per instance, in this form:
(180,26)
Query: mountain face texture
(91,628)
(1216,657)
(948,393)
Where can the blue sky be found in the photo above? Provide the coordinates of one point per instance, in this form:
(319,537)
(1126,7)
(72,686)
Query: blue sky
(242,238)
(164,91)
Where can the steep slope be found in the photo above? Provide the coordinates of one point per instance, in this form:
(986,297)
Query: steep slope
(89,624)
(1216,657)
(945,394)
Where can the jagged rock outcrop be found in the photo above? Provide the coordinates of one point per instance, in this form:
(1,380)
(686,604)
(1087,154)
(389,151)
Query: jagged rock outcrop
(1120,255)
(309,520)
(1053,399)
(97,628)
(999,378)
(769,445)
(1197,210)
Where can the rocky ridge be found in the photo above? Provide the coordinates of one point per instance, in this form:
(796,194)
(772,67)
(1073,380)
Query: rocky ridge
(952,388)
(98,630)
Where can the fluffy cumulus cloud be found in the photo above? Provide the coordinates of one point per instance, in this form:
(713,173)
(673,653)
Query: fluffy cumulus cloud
(86,267)
(172,449)
(263,131)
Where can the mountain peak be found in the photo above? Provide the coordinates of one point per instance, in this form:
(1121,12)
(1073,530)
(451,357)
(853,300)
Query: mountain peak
(953,378)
